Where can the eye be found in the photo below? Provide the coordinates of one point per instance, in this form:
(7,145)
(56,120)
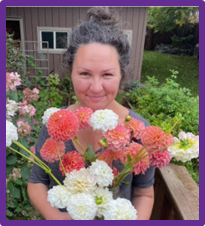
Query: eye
(84,73)
(107,75)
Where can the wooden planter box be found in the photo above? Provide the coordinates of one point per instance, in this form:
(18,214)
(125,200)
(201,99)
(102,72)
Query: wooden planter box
(176,195)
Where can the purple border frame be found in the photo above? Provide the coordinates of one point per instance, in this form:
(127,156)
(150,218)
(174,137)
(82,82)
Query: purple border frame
(4,3)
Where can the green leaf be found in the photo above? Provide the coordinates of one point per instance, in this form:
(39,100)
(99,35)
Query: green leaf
(9,213)
(129,158)
(18,209)
(18,181)
(12,204)
(9,169)
(11,160)
(25,171)
(24,194)
(15,192)
(128,169)
(89,152)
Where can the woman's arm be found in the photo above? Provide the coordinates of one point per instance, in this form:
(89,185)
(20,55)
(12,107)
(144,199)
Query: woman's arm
(143,200)
(38,196)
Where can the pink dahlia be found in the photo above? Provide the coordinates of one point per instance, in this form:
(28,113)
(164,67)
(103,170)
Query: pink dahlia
(83,115)
(159,160)
(71,161)
(136,127)
(154,139)
(133,151)
(108,156)
(117,138)
(63,125)
(51,148)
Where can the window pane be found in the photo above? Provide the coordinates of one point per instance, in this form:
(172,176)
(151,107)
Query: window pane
(47,36)
(61,40)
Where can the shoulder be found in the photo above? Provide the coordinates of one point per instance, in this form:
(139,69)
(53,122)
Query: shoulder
(138,117)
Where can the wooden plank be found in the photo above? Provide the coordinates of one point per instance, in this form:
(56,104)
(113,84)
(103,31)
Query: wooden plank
(182,190)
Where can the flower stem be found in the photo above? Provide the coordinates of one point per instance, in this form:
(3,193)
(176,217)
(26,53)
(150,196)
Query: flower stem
(61,160)
(47,169)
(34,156)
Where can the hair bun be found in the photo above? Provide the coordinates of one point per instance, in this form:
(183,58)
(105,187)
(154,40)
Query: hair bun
(103,15)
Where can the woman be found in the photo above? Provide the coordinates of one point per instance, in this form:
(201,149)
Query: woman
(97,59)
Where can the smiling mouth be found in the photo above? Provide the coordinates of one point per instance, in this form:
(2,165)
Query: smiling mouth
(95,97)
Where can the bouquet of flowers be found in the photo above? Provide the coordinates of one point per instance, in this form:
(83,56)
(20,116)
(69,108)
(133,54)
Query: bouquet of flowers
(91,181)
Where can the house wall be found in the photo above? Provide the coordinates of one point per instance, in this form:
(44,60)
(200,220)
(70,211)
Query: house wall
(131,18)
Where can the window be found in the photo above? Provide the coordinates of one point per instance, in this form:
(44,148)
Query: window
(53,39)
(128,34)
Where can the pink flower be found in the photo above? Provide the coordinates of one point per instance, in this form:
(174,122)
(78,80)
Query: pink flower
(71,161)
(63,125)
(159,160)
(134,151)
(23,127)
(136,127)
(33,149)
(83,115)
(154,136)
(12,80)
(108,156)
(31,95)
(27,110)
(51,149)
(117,138)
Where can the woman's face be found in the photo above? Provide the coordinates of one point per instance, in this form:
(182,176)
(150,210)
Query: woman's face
(96,75)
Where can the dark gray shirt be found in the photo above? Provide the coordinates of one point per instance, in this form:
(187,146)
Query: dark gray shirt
(38,175)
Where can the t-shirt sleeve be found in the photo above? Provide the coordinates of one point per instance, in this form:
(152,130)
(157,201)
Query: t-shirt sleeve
(38,175)
(144,180)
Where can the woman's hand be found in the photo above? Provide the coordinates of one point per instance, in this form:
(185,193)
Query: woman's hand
(63,216)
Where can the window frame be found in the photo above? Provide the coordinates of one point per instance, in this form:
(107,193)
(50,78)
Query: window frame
(53,30)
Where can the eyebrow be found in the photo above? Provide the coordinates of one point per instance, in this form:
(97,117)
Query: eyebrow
(103,70)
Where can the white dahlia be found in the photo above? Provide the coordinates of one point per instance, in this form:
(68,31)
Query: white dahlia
(48,113)
(102,197)
(81,181)
(58,196)
(104,120)
(103,172)
(82,206)
(185,148)
(11,133)
(120,209)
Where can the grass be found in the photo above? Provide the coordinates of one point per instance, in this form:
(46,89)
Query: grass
(158,65)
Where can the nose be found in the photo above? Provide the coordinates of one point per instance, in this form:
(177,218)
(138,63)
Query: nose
(96,85)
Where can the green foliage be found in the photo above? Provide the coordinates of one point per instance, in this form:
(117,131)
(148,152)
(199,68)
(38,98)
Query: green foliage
(168,18)
(162,105)
(156,64)
(165,104)
(14,59)
(179,41)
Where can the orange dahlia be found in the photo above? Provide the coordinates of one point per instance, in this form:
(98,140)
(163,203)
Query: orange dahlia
(63,125)
(143,164)
(154,139)
(159,160)
(71,161)
(136,127)
(117,138)
(49,151)
(83,115)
